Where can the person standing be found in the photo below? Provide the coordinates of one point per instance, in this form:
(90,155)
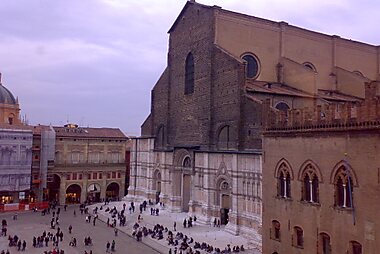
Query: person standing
(175,226)
(70,229)
(23,245)
(116,231)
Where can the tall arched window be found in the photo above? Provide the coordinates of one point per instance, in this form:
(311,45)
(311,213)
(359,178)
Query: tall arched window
(283,182)
(310,185)
(186,162)
(343,188)
(252,66)
(160,137)
(324,245)
(189,74)
(298,237)
(224,137)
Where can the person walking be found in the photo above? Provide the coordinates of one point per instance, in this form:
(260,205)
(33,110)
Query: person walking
(175,226)
(116,231)
(70,229)
(23,245)
(108,247)
(113,245)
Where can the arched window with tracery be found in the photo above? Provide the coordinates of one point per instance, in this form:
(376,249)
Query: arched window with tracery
(189,74)
(283,182)
(310,184)
(343,188)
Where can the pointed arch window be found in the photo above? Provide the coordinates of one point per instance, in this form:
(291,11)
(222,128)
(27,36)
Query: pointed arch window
(298,237)
(343,188)
(283,182)
(189,74)
(324,245)
(356,248)
(276,230)
(310,185)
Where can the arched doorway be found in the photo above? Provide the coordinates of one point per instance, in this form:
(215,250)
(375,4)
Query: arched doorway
(93,193)
(224,196)
(53,185)
(157,185)
(112,191)
(73,194)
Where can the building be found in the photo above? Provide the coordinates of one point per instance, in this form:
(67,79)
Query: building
(321,179)
(200,149)
(89,165)
(15,151)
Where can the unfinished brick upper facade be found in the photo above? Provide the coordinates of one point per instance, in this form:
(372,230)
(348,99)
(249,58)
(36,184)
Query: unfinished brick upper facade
(201,151)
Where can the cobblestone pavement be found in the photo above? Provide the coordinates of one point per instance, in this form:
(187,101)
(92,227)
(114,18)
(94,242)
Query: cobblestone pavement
(31,224)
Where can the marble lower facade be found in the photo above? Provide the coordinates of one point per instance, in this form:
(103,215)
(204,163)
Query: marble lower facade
(225,186)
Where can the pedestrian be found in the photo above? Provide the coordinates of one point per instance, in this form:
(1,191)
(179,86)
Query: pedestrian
(75,213)
(175,226)
(113,245)
(215,222)
(65,207)
(115,230)
(70,229)
(108,222)
(184,223)
(108,247)
(23,245)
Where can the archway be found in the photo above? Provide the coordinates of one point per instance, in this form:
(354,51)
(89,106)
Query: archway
(73,194)
(93,193)
(53,186)
(157,185)
(112,191)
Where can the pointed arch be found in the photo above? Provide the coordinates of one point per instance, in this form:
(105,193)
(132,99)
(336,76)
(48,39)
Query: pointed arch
(283,163)
(343,165)
(310,165)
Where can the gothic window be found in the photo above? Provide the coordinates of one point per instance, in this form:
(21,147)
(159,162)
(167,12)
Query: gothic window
(298,237)
(189,74)
(283,182)
(252,66)
(324,244)
(160,137)
(224,137)
(356,248)
(310,185)
(343,188)
(275,232)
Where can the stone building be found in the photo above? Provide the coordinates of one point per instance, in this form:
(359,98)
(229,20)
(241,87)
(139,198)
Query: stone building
(200,149)
(89,164)
(15,150)
(321,179)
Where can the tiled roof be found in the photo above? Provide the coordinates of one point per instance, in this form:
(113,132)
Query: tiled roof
(274,88)
(337,96)
(85,132)
(15,127)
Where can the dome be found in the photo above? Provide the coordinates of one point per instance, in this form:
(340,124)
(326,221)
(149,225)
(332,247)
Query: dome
(6,96)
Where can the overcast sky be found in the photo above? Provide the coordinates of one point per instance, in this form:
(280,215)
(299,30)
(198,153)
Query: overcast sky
(94,62)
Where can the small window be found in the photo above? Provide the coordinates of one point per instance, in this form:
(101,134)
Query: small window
(310,66)
(275,232)
(324,245)
(186,162)
(74,176)
(95,176)
(113,174)
(356,248)
(68,177)
(89,176)
(298,237)
(118,175)
(108,175)
(252,66)
(100,175)
(80,176)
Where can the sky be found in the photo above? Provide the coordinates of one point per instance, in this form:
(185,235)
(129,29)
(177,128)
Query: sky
(94,62)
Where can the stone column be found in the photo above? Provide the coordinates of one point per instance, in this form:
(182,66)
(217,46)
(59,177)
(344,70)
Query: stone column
(62,190)
(83,194)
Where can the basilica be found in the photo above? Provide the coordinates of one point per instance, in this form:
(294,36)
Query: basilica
(201,149)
